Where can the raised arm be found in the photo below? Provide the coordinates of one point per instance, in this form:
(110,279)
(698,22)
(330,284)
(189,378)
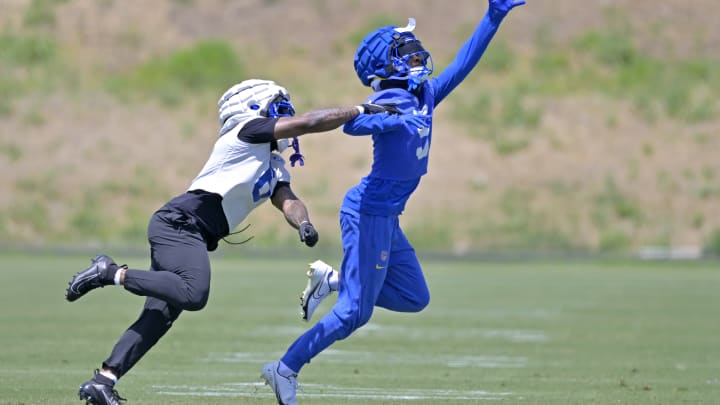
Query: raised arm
(473,49)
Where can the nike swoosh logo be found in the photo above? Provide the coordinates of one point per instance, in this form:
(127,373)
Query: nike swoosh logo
(379,267)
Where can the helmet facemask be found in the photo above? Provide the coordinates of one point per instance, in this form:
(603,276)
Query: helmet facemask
(282,107)
(407,52)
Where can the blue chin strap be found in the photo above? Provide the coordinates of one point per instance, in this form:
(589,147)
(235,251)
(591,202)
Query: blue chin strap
(418,75)
(296,157)
(284,108)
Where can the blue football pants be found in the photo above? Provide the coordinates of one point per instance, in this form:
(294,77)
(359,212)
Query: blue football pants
(379,268)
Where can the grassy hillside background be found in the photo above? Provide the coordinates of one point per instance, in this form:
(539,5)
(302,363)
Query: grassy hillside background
(587,125)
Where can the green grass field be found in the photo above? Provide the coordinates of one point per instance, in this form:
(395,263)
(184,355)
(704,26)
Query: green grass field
(516,333)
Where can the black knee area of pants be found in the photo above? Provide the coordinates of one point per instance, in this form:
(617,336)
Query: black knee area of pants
(196,304)
(155,320)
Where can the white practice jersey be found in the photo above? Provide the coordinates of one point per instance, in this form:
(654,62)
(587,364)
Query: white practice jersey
(244,174)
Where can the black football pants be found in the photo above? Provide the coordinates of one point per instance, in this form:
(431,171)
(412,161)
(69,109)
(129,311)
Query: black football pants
(179,279)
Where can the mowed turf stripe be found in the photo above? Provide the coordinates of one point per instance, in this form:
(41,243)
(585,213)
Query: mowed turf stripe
(421,332)
(308,391)
(334,356)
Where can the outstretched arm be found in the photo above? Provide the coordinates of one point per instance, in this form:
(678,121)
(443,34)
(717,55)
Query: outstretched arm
(473,49)
(314,121)
(296,214)
(326,119)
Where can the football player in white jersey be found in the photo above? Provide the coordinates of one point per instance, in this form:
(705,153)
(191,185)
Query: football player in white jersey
(245,169)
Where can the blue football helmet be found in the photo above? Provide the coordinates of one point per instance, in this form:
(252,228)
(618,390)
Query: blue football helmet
(387,52)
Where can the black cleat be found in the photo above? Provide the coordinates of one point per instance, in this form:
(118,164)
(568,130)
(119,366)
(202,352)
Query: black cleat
(100,273)
(99,391)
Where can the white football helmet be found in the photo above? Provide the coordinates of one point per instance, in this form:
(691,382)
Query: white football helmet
(251,99)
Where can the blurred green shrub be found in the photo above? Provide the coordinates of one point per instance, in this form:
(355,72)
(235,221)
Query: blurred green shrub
(41,13)
(613,240)
(374,22)
(680,89)
(619,205)
(27,62)
(26,51)
(206,66)
(488,118)
(712,244)
(11,151)
(499,57)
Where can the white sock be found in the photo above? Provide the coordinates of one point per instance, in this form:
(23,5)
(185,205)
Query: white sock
(334,279)
(116,279)
(285,371)
(109,375)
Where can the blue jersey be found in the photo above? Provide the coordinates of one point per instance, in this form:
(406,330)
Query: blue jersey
(400,154)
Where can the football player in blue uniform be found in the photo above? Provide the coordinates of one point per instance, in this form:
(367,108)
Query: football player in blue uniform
(379,265)
(244,170)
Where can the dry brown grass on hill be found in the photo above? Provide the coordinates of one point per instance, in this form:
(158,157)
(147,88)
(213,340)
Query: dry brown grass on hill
(473,196)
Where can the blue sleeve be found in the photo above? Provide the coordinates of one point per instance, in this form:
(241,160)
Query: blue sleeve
(366,124)
(466,58)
